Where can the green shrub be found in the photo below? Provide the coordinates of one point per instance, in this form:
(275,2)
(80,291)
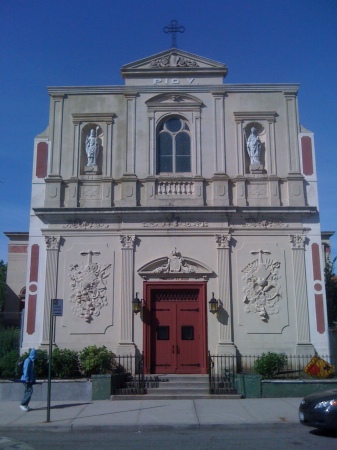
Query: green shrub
(40,364)
(8,365)
(65,363)
(268,364)
(96,360)
(9,340)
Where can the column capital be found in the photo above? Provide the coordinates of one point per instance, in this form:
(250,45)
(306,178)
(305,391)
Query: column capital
(298,241)
(223,240)
(127,241)
(52,242)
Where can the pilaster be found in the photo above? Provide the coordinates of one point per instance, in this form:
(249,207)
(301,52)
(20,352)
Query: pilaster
(220,189)
(225,345)
(129,190)
(73,192)
(53,191)
(219,132)
(130,132)
(296,190)
(241,197)
(52,247)
(303,345)
(126,345)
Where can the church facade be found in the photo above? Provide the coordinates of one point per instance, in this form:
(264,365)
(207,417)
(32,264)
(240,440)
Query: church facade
(188,199)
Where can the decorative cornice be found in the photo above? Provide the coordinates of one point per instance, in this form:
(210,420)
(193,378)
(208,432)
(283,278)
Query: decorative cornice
(228,88)
(175,222)
(93,117)
(85,224)
(251,223)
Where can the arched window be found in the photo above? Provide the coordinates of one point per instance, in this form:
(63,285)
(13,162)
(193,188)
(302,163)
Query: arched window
(173,146)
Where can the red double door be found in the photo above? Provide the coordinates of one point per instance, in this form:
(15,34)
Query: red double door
(175,328)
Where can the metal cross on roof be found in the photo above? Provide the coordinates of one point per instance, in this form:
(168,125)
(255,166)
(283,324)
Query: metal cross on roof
(174,28)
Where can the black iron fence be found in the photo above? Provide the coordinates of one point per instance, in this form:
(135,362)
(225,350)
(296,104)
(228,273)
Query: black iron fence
(128,377)
(221,372)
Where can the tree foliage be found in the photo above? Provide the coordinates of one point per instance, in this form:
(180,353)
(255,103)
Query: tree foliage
(331,292)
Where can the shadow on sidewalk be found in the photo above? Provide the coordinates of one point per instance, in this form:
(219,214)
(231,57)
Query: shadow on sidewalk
(66,405)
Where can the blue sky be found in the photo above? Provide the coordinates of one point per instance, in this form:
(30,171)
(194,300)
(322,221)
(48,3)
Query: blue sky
(80,42)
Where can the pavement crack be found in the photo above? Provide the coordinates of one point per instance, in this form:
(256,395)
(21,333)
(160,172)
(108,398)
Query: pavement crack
(196,413)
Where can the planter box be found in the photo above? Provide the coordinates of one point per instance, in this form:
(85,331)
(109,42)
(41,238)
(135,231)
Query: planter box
(101,387)
(295,388)
(248,385)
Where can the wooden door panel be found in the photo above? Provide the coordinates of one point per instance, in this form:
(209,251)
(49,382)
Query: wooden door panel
(163,338)
(188,338)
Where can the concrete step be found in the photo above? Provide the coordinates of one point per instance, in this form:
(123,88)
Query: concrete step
(177,397)
(173,387)
(178,390)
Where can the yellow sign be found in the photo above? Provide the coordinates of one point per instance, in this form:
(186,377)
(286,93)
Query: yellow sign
(319,368)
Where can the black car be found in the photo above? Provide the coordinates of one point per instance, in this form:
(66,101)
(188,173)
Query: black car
(319,410)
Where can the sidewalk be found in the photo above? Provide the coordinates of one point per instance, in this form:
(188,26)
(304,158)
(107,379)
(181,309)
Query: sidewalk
(136,415)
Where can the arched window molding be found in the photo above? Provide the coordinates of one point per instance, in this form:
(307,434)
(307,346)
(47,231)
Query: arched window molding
(188,109)
(173,146)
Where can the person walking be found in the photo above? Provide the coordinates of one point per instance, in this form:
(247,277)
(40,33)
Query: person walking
(28,377)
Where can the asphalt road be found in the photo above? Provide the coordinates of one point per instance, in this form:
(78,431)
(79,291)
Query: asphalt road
(252,437)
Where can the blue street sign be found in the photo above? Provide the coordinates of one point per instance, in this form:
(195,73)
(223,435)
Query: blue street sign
(57,307)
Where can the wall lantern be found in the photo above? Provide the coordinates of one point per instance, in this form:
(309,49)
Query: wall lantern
(213,304)
(136,304)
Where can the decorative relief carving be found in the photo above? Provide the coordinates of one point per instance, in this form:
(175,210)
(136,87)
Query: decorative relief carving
(174,222)
(84,224)
(223,240)
(262,290)
(167,61)
(186,62)
(177,98)
(298,241)
(91,192)
(258,190)
(175,263)
(128,241)
(88,283)
(161,62)
(52,242)
(251,223)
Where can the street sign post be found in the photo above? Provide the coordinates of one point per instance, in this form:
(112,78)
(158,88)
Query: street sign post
(56,309)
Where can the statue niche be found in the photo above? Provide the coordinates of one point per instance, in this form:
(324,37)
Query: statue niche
(91,149)
(254,134)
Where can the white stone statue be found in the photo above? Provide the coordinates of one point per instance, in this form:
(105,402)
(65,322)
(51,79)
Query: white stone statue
(92,147)
(254,147)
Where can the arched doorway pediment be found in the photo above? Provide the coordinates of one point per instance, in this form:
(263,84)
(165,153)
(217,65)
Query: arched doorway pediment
(173,266)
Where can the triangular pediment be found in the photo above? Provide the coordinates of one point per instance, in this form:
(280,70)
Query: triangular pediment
(174,62)
(173,266)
